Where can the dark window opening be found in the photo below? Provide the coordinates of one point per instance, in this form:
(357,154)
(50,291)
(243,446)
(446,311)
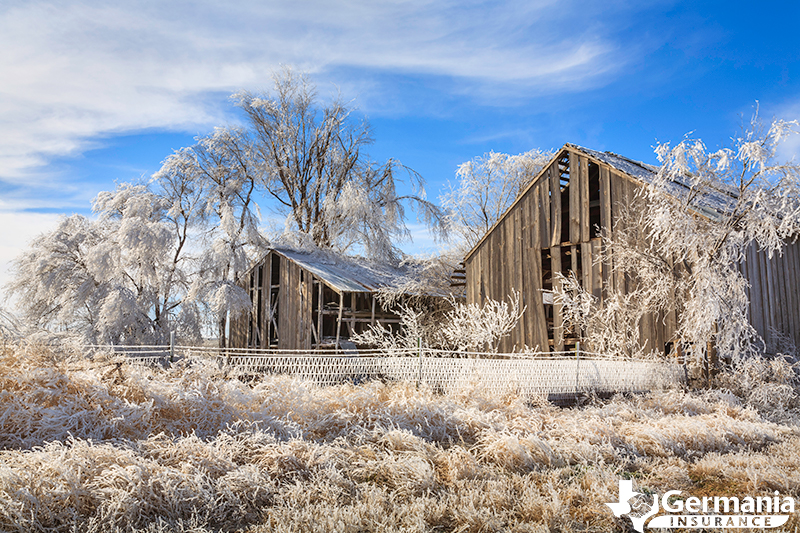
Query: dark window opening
(594,201)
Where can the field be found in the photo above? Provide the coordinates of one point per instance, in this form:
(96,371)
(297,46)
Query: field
(100,445)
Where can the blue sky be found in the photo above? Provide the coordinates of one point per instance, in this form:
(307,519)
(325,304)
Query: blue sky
(97,92)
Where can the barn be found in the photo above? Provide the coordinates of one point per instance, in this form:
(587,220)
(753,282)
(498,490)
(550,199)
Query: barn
(307,300)
(557,224)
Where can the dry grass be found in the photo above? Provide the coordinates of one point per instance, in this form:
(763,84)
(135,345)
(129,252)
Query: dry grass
(102,446)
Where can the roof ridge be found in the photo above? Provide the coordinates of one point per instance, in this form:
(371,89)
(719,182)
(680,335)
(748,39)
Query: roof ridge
(641,164)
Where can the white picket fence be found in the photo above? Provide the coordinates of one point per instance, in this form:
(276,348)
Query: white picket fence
(544,375)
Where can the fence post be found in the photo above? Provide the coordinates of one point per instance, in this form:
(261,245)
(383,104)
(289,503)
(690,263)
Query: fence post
(419,368)
(171,347)
(577,364)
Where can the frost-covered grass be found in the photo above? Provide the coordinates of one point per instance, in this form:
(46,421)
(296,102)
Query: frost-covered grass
(101,445)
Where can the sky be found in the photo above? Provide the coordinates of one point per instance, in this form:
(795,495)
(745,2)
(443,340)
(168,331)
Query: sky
(98,93)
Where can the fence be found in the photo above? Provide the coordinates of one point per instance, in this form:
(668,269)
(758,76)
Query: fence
(554,376)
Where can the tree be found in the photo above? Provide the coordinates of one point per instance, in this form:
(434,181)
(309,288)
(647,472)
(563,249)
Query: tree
(486,187)
(702,212)
(316,172)
(121,278)
(225,176)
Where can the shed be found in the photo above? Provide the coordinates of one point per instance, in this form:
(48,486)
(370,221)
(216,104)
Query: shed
(306,300)
(557,224)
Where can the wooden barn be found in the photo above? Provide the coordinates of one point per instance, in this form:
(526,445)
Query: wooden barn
(557,225)
(303,301)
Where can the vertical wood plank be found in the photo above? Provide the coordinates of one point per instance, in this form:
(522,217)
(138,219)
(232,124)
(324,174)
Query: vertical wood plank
(321,307)
(605,202)
(308,287)
(558,319)
(574,198)
(597,268)
(769,298)
(555,204)
(542,208)
(515,267)
(539,326)
(776,265)
(472,276)
(754,278)
(791,290)
(284,309)
(787,295)
(265,291)
(527,213)
(792,297)
(339,320)
(538,233)
(622,202)
(584,199)
(606,226)
(795,282)
(484,288)
(574,265)
(744,270)
(586,267)
(617,221)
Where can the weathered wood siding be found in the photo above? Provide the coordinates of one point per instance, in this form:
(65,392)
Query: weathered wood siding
(510,259)
(294,308)
(774,293)
(292,303)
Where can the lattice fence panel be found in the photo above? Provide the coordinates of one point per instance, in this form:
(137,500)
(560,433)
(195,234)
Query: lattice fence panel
(551,377)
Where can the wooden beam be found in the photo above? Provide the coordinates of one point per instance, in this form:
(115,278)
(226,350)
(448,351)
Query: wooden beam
(339,319)
(320,306)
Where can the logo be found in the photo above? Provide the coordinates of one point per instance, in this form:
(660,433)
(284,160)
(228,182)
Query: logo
(693,512)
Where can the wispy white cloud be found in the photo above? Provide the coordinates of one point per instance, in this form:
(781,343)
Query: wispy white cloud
(19,229)
(71,71)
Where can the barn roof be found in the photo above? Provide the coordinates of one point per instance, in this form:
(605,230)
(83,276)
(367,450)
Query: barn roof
(718,199)
(343,273)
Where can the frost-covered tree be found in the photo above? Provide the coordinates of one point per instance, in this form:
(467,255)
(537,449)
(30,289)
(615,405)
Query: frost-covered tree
(485,188)
(54,279)
(702,212)
(225,175)
(316,172)
(123,277)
